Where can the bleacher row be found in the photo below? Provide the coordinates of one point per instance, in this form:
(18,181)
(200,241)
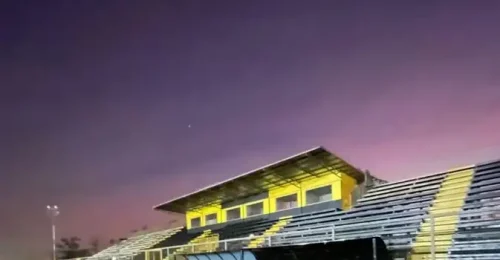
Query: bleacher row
(478,233)
(133,245)
(458,210)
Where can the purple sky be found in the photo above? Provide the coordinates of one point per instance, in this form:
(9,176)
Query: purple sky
(96,98)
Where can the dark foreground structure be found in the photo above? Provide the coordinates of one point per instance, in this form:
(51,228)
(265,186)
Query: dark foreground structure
(360,249)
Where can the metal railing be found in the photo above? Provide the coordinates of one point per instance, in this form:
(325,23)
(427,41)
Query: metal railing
(113,257)
(313,234)
(478,214)
(316,235)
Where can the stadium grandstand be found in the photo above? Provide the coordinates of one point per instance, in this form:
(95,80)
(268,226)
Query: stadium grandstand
(316,205)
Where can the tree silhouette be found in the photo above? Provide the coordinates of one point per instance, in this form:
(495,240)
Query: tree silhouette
(95,245)
(171,222)
(70,248)
(137,230)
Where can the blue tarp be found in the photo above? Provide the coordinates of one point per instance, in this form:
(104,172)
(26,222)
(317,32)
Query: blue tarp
(358,249)
(239,255)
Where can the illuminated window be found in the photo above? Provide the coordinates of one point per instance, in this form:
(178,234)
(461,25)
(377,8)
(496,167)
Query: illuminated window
(195,222)
(287,202)
(319,195)
(211,219)
(255,209)
(233,214)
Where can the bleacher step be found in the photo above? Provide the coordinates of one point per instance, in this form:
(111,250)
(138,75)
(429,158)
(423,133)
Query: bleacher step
(283,221)
(448,200)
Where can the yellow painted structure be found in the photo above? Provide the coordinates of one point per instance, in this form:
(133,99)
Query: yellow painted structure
(270,231)
(348,186)
(295,175)
(224,212)
(203,213)
(341,184)
(448,201)
(265,207)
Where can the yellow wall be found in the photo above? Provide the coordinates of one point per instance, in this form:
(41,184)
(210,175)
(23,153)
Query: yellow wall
(281,192)
(243,209)
(301,188)
(265,205)
(342,186)
(202,213)
(333,180)
(224,212)
(348,185)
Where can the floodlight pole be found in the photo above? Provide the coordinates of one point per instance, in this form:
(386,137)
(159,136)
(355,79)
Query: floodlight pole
(53,212)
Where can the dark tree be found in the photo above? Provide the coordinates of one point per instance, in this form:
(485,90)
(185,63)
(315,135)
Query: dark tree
(137,230)
(70,248)
(95,245)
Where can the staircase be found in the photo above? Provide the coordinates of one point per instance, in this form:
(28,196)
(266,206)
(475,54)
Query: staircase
(449,200)
(270,231)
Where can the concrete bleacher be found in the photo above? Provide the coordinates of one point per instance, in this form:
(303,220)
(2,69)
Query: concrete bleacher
(435,233)
(244,229)
(393,211)
(132,246)
(478,232)
(394,216)
(464,206)
(204,242)
(245,234)
(248,228)
(449,215)
(179,238)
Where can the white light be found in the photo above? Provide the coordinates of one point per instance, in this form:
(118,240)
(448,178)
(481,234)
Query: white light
(55,206)
(48,207)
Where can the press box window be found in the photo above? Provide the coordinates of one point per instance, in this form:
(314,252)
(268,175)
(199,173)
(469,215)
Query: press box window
(287,202)
(233,214)
(255,209)
(211,219)
(319,195)
(195,222)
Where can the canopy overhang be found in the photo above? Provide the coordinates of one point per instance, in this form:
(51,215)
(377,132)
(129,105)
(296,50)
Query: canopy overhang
(313,163)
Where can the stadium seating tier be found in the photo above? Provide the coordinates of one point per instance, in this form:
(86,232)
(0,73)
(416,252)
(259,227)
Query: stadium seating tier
(450,215)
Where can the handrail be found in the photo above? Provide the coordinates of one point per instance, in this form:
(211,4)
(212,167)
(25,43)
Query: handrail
(281,234)
(460,213)
(309,227)
(322,234)
(327,230)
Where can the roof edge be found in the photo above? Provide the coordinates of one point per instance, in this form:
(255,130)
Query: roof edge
(157,207)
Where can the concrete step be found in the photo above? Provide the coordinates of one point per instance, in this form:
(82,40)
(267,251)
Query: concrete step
(437,238)
(428,256)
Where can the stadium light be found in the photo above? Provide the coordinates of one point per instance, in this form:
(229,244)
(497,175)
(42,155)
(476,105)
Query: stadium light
(53,212)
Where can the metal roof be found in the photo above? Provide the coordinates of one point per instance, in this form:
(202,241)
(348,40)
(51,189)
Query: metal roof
(313,163)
